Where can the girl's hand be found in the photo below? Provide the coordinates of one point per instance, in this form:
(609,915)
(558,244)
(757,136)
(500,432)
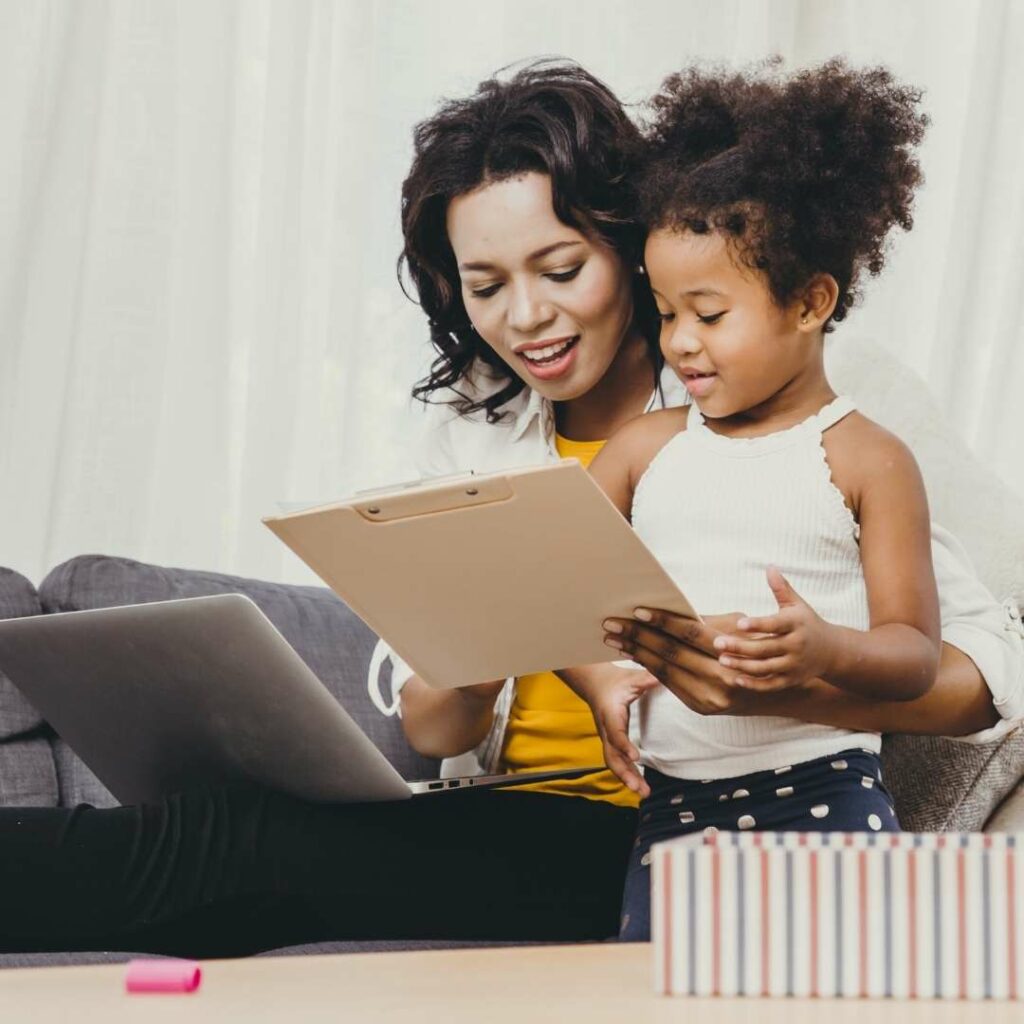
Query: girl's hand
(795,645)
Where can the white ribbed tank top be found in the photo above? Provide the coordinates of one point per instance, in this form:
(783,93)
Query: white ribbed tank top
(716,512)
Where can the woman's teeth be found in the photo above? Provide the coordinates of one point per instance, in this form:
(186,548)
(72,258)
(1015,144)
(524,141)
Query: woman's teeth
(538,355)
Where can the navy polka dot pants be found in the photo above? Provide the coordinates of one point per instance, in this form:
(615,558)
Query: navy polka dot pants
(838,793)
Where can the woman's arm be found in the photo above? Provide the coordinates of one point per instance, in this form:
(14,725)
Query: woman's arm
(446,723)
(681,653)
(959,704)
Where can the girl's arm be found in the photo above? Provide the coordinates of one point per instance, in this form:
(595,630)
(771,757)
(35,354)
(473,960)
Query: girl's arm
(897,657)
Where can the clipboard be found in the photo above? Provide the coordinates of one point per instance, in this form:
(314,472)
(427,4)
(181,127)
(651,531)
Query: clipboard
(477,578)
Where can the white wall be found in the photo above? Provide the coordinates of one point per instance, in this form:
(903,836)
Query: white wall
(199,222)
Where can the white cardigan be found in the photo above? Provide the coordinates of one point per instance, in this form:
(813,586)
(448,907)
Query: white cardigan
(990,634)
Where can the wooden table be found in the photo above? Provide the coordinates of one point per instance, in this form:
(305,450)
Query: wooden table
(594,984)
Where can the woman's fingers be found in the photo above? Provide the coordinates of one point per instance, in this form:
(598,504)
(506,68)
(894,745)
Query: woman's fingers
(672,647)
(661,655)
(676,627)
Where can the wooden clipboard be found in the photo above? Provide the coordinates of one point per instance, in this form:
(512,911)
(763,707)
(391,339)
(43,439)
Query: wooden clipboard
(475,578)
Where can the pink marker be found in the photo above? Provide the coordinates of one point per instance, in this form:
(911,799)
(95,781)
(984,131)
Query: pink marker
(162,976)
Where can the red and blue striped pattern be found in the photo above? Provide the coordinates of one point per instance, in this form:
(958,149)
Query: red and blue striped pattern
(839,914)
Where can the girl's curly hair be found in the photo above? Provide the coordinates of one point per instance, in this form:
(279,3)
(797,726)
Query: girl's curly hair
(553,117)
(804,173)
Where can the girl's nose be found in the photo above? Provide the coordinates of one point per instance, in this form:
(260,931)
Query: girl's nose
(680,343)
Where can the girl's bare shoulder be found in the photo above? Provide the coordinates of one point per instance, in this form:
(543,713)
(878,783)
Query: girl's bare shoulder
(642,437)
(861,451)
(637,442)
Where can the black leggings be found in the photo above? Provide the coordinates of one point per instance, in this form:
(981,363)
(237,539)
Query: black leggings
(225,872)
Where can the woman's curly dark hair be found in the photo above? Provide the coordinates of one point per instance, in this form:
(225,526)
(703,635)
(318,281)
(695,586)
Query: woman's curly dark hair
(803,173)
(553,117)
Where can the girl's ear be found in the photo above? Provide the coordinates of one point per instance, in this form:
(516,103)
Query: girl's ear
(818,302)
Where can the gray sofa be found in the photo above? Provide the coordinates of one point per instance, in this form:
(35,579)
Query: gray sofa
(939,784)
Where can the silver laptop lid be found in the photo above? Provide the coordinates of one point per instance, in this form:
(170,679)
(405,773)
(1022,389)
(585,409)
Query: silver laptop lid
(160,697)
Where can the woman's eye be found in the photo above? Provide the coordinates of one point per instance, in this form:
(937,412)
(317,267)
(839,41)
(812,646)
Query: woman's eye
(666,318)
(484,293)
(564,275)
(713,318)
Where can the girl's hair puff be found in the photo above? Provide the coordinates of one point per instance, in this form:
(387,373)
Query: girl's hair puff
(804,173)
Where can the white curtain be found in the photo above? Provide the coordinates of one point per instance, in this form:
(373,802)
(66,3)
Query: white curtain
(199,315)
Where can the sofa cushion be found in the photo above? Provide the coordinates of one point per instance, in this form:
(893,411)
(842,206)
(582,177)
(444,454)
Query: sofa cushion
(18,598)
(946,785)
(330,638)
(964,494)
(27,775)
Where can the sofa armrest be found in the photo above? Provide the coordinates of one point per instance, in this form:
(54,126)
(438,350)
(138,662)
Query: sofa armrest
(1009,815)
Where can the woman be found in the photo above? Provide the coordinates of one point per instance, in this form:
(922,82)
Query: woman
(521,244)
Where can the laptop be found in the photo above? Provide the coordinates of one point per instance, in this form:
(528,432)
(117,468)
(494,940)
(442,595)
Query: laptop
(166,696)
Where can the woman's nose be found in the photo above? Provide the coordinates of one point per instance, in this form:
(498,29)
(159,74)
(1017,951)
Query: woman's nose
(526,310)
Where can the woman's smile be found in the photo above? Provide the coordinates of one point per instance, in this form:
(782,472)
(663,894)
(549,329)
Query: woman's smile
(550,358)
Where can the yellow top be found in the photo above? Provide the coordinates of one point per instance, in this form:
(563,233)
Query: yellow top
(549,726)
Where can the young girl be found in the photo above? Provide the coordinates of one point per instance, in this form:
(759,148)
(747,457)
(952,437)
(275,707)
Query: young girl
(765,197)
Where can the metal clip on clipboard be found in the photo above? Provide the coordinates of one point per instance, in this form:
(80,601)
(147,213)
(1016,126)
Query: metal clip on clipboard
(402,503)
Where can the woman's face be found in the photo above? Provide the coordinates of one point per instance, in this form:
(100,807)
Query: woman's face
(555,304)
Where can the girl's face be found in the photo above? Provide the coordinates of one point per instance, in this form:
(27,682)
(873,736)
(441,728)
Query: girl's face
(721,330)
(553,303)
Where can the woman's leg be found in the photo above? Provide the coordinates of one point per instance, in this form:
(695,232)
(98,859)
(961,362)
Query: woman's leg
(839,793)
(216,872)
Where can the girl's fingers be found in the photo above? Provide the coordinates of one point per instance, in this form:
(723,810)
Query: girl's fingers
(769,647)
(759,669)
(766,685)
(766,624)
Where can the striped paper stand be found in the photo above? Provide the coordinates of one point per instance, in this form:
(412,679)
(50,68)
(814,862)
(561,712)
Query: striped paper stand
(937,915)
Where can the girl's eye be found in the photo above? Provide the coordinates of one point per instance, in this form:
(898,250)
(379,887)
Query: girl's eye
(484,293)
(564,275)
(666,318)
(712,318)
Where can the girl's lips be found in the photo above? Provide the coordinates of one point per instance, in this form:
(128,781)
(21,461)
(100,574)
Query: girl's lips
(700,386)
(557,367)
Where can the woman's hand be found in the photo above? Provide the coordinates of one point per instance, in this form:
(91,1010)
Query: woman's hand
(793,647)
(680,653)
